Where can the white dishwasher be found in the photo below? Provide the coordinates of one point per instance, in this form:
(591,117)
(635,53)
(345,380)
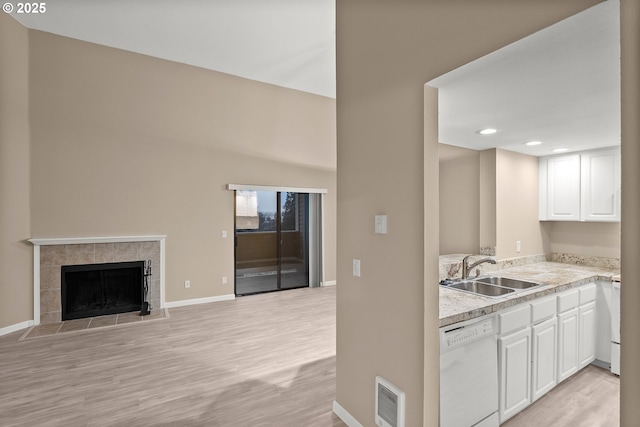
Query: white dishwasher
(469,374)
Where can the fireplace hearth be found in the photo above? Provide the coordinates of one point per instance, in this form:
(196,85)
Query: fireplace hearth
(91,290)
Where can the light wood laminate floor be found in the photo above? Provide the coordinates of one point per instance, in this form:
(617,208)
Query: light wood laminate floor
(264,360)
(590,398)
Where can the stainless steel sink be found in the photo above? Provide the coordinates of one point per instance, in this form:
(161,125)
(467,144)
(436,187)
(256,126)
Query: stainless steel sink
(492,286)
(481,288)
(508,282)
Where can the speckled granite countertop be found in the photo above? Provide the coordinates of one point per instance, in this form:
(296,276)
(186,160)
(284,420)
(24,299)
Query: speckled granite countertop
(457,306)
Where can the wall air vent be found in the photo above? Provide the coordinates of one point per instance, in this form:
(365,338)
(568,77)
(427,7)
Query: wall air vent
(389,404)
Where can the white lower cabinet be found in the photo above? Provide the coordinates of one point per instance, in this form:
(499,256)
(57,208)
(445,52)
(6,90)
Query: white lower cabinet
(587,332)
(543,343)
(576,330)
(544,361)
(567,344)
(514,359)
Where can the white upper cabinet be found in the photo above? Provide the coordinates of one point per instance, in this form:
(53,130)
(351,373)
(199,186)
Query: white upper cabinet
(600,194)
(583,186)
(563,188)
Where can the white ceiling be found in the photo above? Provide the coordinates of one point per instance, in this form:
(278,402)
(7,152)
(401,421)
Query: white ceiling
(289,43)
(560,85)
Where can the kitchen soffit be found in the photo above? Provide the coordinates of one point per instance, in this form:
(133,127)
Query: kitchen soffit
(560,85)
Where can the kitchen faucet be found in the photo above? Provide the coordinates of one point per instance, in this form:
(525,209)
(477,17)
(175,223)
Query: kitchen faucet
(466,268)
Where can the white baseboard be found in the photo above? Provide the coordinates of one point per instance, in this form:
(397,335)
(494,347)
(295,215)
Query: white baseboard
(14,328)
(329,283)
(345,416)
(185,302)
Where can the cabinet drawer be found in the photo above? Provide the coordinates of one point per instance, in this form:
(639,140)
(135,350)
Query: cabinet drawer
(587,293)
(513,319)
(543,308)
(568,300)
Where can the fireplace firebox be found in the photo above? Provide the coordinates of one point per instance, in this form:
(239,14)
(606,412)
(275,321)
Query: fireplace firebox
(91,290)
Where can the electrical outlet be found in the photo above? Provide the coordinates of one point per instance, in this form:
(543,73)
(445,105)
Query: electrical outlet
(518,246)
(187,284)
(224,280)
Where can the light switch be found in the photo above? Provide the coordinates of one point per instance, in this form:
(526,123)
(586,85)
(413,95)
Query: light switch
(356,267)
(381,224)
(224,234)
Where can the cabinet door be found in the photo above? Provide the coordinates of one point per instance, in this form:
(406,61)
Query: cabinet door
(544,357)
(515,372)
(563,188)
(587,333)
(600,193)
(567,344)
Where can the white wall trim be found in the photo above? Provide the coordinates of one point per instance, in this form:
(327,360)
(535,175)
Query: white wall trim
(14,328)
(322,242)
(345,416)
(36,284)
(163,271)
(186,302)
(329,283)
(272,188)
(85,240)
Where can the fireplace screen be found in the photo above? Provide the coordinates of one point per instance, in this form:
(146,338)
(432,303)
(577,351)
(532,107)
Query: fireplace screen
(99,289)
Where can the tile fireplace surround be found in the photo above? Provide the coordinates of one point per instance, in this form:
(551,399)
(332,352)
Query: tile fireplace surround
(49,255)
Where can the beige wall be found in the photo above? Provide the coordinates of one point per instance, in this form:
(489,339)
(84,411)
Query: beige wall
(488,197)
(517,205)
(386,51)
(459,200)
(601,239)
(430,379)
(630,369)
(125,144)
(16,259)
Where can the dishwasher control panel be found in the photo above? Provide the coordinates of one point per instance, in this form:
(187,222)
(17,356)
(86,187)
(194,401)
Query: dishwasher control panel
(464,334)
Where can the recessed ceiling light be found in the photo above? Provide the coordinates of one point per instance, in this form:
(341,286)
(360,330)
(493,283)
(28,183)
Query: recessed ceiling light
(533,143)
(560,150)
(487,131)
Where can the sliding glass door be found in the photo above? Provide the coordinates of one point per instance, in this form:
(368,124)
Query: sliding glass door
(271,241)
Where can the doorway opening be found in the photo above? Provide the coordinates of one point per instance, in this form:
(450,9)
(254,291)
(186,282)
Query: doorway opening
(277,244)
